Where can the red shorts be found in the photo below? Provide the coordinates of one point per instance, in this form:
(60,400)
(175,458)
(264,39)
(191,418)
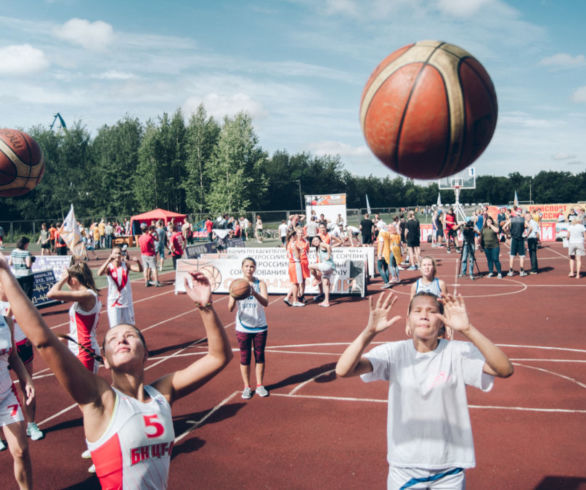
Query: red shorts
(295,272)
(305,269)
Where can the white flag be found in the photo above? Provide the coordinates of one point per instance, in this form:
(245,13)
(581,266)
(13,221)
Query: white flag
(71,234)
(368,210)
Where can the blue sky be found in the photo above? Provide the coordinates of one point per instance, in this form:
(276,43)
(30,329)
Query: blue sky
(296,66)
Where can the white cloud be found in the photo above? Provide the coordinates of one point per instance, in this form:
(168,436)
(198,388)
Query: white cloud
(347,7)
(563,60)
(462,8)
(22,59)
(563,156)
(115,75)
(218,106)
(322,148)
(524,120)
(95,36)
(579,95)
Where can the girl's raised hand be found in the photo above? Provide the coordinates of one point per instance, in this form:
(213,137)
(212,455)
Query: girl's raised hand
(200,290)
(378,320)
(455,316)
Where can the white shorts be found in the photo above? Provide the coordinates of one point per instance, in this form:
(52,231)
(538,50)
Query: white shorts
(575,249)
(117,315)
(407,478)
(10,411)
(326,269)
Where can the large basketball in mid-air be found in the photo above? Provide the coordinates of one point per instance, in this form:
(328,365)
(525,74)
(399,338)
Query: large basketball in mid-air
(240,289)
(21,163)
(428,110)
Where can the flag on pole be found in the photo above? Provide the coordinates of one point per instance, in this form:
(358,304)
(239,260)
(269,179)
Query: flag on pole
(516,200)
(368,210)
(71,234)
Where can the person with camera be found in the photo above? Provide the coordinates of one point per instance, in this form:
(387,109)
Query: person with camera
(489,241)
(467,253)
(118,267)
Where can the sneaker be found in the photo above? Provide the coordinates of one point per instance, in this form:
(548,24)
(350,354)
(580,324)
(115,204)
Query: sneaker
(158,284)
(301,298)
(86,454)
(33,431)
(412,268)
(522,273)
(449,251)
(472,278)
(287,302)
(2,445)
(92,469)
(298,303)
(533,272)
(318,298)
(490,274)
(386,285)
(147,284)
(511,274)
(246,393)
(500,276)
(261,391)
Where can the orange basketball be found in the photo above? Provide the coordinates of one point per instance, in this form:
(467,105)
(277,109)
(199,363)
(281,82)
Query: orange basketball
(21,163)
(240,289)
(428,110)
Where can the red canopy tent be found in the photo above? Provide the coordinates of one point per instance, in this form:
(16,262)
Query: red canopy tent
(151,217)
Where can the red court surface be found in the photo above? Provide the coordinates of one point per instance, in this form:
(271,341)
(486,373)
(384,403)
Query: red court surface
(316,431)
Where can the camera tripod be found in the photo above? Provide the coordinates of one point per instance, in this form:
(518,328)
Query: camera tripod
(470,247)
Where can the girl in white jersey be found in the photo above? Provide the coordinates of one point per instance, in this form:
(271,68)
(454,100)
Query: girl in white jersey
(428,282)
(429,437)
(11,416)
(127,425)
(118,267)
(251,328)
(83,314)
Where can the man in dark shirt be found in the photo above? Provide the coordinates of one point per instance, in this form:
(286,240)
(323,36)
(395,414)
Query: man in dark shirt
(412,236)
(366,229)
(516,227)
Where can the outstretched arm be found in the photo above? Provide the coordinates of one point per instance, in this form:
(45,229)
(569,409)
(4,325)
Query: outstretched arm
(182,382)
(16,364)
(351,362)
(83,386)
(455,317)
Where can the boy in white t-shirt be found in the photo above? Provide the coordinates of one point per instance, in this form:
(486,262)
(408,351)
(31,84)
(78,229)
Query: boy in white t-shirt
(428,430)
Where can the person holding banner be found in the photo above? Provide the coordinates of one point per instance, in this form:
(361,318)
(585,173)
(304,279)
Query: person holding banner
(117,267)
(251,329)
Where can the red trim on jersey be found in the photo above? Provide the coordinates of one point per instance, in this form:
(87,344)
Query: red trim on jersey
(113,272)
(83,327)
(108,461)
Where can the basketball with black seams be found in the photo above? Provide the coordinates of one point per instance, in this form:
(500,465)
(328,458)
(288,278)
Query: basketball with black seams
(21,163)
(428,110)
(240,289)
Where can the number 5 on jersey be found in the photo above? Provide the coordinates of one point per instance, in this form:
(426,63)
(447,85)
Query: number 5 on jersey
(153,428)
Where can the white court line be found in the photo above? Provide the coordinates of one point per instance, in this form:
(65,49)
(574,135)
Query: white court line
(375,400)
(203,419)
(301,385)
(568,378)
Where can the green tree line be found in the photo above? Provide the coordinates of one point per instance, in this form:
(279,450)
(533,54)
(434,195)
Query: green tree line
(202,166)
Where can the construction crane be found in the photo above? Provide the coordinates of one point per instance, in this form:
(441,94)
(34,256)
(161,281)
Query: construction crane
(58,117)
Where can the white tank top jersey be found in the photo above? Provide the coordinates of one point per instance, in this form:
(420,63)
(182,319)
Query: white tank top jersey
(5,349)
(135,450)
(19,335)
(433,287)
(250,317)
(119,291)
(82,326)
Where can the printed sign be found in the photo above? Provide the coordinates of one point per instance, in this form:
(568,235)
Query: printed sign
(43,282)
(57,263)
(272,267)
